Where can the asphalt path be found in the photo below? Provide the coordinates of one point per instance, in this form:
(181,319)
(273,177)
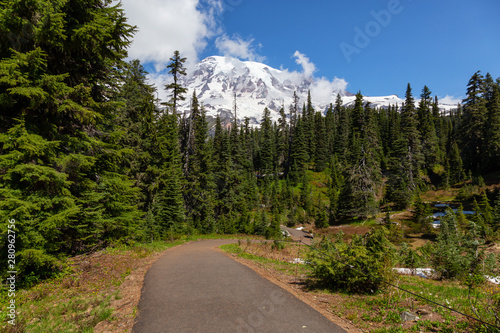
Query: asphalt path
(195,288)
(299,235)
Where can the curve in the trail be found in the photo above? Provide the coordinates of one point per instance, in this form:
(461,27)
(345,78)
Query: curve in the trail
(195,288)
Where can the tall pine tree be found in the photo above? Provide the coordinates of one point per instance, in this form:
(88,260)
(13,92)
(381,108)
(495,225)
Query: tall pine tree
(177,70)
(473,123)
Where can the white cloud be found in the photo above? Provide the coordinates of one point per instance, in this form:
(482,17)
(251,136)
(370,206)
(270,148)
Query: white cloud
(308,67)
(169,25)
(238,48)
(450,100)
(160,80)
(322,90)
(294,77)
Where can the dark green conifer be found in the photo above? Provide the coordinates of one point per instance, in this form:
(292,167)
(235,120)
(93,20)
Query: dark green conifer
(177,70)
(299,155)
(409,129)
(61,161)
(134,124)
(309,127)
(492,132)
(267,144)
(357,115)
(199,192)
(283,139)
(456,165)
(496,214)
(343,134)
(330,130)
(473,123)
(357,198)
(335,185)
(321,144)
(427,130)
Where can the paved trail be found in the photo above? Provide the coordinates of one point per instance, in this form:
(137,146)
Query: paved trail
(195,288)
(299,235)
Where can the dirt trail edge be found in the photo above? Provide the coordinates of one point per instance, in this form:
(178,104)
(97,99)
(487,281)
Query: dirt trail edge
(195,288)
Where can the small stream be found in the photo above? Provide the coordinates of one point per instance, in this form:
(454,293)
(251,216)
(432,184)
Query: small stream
(437,216)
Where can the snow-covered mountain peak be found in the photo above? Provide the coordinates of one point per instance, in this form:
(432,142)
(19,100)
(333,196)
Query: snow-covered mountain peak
(217,79)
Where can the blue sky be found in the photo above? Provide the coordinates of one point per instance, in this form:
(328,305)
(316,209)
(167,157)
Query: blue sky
(377,46)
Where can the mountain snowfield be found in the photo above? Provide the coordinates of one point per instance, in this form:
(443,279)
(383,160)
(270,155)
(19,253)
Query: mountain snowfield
(216,80)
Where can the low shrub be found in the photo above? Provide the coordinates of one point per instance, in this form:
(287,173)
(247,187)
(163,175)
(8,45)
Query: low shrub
(360,266)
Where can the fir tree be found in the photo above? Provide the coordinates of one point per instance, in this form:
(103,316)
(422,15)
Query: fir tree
(321,218)
(357,115)
(308,122)
(177,70)
(427,130)
(473,124)
(485,209)
(330,130)
(492,132)
(294,112)
(338,107)
(479,218)
(496,214)
(371,145)
(403,182)
(392,138)
(199,191)
(168,204)
(456,165)
(438,126)
(357,198)
(421,215)
(299,155)
(409,129)
(218,142)
(343,133)
(489,89)
(335,184)
(59,162)
(36,194)
(282,139)
(321,144)
(267,144)
(135,124)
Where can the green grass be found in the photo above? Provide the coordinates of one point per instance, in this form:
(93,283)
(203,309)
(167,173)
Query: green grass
(449,293)
(364,223)
(319,181)
(231,248)
(51,314)
(278,265)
